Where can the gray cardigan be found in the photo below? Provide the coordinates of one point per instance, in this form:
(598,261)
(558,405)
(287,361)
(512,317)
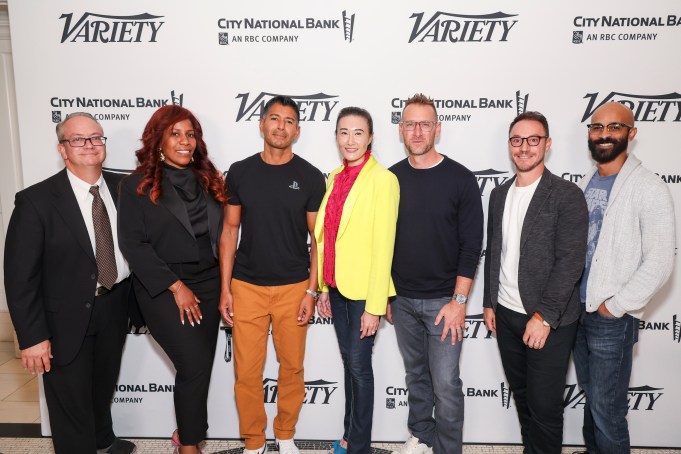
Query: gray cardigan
(635,252)
(552,249)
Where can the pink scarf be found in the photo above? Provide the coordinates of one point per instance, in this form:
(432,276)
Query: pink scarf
(342,184)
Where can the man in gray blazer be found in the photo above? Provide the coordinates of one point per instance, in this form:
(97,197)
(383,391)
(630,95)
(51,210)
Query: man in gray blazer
(536,239)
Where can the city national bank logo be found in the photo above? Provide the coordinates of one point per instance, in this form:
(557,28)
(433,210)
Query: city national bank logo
(285,30)
(444,27)
(665,107)
(398,397)
(79,103)
(517,103)
(674,326)
(505,395)
(105,28)
(312,107)
(317,392)
(639,397)
(606,28)
(136,389)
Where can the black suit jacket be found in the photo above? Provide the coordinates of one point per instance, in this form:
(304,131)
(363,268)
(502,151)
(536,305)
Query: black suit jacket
(50,267)
(552,249)
(153,238)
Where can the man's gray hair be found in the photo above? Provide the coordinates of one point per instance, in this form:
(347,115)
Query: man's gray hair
(60,125)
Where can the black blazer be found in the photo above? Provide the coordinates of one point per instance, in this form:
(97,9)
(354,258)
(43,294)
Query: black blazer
(552,249)
(50,267)
(154,237)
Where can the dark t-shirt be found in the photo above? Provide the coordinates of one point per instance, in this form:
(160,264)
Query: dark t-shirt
(274,200)
(439,228)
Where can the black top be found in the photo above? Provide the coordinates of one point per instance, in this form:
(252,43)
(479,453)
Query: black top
(274,200)
(439,228)
(188,188)
(190,191)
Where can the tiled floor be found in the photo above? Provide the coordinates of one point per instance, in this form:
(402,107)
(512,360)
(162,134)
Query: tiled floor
(19,404)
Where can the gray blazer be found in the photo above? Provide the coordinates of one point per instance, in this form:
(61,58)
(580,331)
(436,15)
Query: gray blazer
(552,249)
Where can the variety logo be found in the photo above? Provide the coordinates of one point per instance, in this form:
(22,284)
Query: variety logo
(457,28)
(645,107)
(111,103)
(490,179)
(517,102)
(317,392)
(474,327)
(105,28)
(312,107)
(288,30)
(640,397)
(608,22)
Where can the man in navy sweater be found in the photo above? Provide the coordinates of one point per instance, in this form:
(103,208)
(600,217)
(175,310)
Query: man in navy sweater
(437,247)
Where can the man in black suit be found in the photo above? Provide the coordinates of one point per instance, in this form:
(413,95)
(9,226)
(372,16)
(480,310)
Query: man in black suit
(67,289)
(536,246)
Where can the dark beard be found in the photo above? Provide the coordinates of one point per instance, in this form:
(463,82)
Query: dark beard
(602,157)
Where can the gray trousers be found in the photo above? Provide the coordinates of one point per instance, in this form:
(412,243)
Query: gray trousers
(432,374)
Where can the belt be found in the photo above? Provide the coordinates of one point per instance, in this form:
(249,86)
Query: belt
(101,290)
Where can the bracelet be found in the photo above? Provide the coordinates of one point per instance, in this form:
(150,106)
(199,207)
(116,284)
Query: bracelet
(178,288)
(540,318)
(314,294)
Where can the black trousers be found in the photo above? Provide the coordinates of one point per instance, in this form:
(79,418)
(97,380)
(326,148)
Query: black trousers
(191,350)
(536,378)
(79,394)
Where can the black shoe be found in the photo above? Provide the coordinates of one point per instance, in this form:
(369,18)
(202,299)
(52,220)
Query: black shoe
(119,446)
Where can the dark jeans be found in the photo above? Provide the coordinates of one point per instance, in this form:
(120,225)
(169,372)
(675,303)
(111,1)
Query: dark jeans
(536,378)
(432,374)
(603,357)
(359,373)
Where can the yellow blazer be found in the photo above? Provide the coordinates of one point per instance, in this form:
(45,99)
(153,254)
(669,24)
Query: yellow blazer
(366,237)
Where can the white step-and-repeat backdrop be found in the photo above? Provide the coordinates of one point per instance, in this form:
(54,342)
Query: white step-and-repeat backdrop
(482,62)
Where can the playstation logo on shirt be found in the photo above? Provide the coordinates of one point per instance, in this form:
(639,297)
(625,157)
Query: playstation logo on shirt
(294,185)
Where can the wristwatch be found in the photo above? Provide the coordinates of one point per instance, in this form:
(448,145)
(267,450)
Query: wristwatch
(314,294)
(460,298)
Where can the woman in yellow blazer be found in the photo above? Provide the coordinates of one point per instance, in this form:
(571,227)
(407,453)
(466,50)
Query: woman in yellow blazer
(355,234)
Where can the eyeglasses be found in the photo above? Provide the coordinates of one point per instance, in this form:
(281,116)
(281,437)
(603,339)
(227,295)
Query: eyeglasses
(426,126)
(77,142)
(611,127)
(532,141)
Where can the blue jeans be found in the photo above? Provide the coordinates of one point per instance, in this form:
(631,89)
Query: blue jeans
(359,373)
(603,357)
(432,374)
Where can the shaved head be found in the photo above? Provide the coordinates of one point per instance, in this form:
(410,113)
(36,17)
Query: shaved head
(613,112)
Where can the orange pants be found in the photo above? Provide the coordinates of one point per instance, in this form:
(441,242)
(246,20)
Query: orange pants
(255,307)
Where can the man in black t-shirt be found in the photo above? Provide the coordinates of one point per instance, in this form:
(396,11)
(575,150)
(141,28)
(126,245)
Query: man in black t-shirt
(437,247)
(274,196)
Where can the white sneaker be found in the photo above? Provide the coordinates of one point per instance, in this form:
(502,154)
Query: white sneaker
(413,446)
(261,450)
(287,446)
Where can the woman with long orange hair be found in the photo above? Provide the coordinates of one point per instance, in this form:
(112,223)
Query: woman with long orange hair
(170,220)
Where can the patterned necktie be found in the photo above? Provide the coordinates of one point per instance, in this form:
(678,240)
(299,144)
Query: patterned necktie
(104,254)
